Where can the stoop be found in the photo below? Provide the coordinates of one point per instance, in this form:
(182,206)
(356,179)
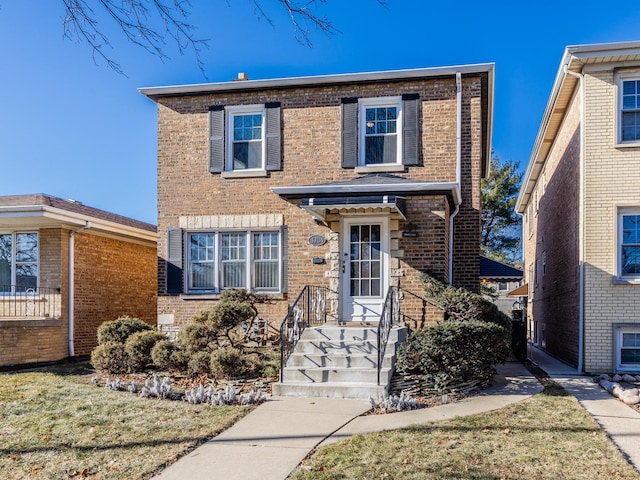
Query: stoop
(339,362)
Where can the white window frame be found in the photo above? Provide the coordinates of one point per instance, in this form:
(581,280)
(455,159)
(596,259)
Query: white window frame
(619,329)
(622,212)
(13,281)
(236,110)
(381,102)
(249,259)
(620,79)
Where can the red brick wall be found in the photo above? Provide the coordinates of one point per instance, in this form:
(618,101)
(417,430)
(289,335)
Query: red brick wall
(112,278)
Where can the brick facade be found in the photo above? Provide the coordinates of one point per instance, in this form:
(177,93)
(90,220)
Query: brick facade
(114,275)
(311,155)
(588,108)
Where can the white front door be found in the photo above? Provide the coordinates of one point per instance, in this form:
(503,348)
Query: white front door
(365,267)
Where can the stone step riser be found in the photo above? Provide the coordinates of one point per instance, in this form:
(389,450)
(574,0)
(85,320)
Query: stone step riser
(335,334)
(311,360)
(324,390)
(337,347)
(340,375)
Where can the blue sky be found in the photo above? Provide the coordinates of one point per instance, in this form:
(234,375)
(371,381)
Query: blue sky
(75,129)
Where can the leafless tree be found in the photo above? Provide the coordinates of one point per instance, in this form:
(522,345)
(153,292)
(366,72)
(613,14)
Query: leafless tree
(151,24)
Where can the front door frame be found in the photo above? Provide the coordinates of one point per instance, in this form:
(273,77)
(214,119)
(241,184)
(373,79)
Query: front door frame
(363,309)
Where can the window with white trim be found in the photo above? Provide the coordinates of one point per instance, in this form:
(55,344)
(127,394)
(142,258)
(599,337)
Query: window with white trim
(629,244)
(18,261)
(380,121)
(629,108)
(627,347)
(221,260)
(245,150)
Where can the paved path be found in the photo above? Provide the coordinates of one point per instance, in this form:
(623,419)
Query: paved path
(619,421)
(272,440)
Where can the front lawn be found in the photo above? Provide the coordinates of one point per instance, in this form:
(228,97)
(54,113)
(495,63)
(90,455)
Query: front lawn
(547,437)
(55,425)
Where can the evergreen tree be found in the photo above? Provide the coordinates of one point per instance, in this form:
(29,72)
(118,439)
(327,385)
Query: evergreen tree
(501,225)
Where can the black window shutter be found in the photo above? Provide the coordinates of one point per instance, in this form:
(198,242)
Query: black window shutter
(216,139)
(410,129)
(284,237)
(174,260)
(349,132)
(273,136)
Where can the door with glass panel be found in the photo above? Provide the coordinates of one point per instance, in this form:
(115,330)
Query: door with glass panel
(364,267)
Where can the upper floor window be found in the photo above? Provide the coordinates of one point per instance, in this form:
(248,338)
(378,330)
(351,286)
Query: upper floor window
(379,137)
(18,261)
(245,140)
(381,133)
(629,109)
(629,244)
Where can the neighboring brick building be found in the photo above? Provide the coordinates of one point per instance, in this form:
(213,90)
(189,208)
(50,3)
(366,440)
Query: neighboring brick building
(581,212)
(351,182)
(64,269)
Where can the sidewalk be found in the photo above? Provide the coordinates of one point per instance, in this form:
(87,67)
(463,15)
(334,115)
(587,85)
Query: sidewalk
(272,440)
(619,421)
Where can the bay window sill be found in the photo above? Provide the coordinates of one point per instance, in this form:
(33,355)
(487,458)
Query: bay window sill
(383,167)
(244,174)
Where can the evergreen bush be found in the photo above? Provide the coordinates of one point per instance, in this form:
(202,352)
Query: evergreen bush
(110,357)
(168,355)
(117,331)
(226,362)
(138,347)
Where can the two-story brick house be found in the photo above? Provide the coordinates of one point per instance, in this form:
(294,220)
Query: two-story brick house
(581,208)
(353,182)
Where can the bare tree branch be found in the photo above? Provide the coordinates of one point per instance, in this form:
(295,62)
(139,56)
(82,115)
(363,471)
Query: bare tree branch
(150,23)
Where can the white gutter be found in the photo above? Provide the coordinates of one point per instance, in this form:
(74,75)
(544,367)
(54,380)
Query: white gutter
(71,302)
(203,88)
(458,167)
(581,221)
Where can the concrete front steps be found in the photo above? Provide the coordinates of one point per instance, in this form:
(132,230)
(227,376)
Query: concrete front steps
(339,362)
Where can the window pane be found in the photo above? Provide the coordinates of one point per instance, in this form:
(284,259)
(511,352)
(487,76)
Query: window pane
(233,252)
(202,260)
(26,247)
(380,149)
(5,262)
(630,126)
(630,260)
(630,229)
(247,155)
(202,276)
(266,260)
(631,340)
(630,355)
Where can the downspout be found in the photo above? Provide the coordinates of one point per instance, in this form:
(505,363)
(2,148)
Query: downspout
(581,222)
(458,166)
(72,233)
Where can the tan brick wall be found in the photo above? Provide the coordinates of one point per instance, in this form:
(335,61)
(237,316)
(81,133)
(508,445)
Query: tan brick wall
(312,154)
(612,176)
(41,340)
(112,278)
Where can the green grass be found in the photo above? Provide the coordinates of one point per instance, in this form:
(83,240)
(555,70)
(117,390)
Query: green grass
(546,437)
(55,426)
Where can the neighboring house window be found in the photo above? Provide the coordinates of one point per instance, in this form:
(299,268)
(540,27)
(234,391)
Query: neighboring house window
(530,217)
(629,244)
(629,130)
(221,260)
(382,132)
(627,347)
(245,140)
(18,261)
(544,263)
(532,281)
(503,286)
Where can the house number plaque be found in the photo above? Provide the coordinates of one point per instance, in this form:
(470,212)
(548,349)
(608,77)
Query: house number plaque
(317,240)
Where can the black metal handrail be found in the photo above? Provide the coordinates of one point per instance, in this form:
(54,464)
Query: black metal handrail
(390,316)
(310,308)
(19,301)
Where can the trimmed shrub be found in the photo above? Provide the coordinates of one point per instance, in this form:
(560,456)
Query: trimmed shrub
(117,331)
(454,352)
(167,355)
(138,347)
(110,357)
(226,362)
(199,364)
(198,336)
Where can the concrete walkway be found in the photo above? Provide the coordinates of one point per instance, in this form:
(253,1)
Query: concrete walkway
(272,440)
(619,421)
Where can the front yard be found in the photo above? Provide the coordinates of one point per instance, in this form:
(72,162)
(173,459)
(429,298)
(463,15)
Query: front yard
(55,424)
(547,437)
